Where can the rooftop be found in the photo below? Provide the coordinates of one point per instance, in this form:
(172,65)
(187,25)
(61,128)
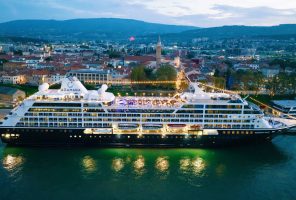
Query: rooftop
(91,71)
(7,90)
(285,103)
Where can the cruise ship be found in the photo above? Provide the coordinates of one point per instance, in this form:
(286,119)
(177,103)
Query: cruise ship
(73,115)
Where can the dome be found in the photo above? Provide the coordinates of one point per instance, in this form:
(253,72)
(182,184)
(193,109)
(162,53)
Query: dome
(43,87)
(104,88)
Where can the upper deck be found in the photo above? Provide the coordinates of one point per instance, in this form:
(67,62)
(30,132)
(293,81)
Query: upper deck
(72,91)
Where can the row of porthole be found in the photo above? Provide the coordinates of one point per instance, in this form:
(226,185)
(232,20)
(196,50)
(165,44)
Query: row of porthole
(238,132)
(138,136)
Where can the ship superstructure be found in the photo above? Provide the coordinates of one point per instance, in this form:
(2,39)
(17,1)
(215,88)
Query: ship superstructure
(74,115)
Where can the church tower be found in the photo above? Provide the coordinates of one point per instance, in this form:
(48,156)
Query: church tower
(158,53)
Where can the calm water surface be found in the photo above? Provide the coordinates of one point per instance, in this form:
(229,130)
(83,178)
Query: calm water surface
(255,172)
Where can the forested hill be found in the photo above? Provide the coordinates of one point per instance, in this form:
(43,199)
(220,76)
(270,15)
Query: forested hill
(86,29)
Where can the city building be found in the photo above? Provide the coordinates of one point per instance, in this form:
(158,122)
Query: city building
(158,52)
(9,66)
(270,71)
(288,107)
(92,76)
(10,96)
(13,79)
(55,78)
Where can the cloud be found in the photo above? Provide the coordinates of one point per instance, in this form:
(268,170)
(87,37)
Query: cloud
(229,15)
(199,7)
(83,10)
(204,13)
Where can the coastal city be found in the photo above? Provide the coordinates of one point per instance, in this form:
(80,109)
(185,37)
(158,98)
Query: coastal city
(262,68)
(147,100)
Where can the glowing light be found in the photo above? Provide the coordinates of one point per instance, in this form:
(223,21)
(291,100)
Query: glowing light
(12,162)
(185,164)
(194,166)
(132,38)
(139,165)
(162,164)
(87,131)
(143,82)
(89,164)
(198,165)
(117,164)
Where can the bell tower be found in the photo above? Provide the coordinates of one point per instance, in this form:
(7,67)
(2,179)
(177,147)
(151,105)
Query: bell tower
(158,52)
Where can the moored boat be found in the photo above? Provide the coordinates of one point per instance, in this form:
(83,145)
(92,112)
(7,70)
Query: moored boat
(73,115)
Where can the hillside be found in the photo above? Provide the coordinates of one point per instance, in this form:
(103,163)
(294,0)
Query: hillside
(284,30)
(86,29)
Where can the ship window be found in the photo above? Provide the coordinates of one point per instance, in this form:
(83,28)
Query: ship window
(192,106)
(57,104)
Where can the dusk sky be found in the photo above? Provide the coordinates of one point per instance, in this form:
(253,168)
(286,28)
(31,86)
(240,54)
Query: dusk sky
(203,13)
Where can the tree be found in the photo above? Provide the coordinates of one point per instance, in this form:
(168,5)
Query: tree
(114,54)
(149,73)
(272,85)
(219,82)
(138,74)
(258,80)
(18,52)
(229,63)
(47,59)
(217,73)
(166,73)
(110,65)
(3,61)
(190,55)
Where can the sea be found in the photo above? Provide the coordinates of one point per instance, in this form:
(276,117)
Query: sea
(262,171)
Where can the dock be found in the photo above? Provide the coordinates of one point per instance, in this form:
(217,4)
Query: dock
(288,122)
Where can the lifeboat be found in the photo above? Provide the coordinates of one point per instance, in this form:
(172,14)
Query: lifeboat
(195,127)
(152,126)
(102,131)
(98,131)
(177,126)
(128,126)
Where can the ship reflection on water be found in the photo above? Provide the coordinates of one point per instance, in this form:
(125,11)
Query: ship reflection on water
(113,172)
(89,164)
(193,166)
(141,162)
(12,162)
(139,165)
(117,164)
